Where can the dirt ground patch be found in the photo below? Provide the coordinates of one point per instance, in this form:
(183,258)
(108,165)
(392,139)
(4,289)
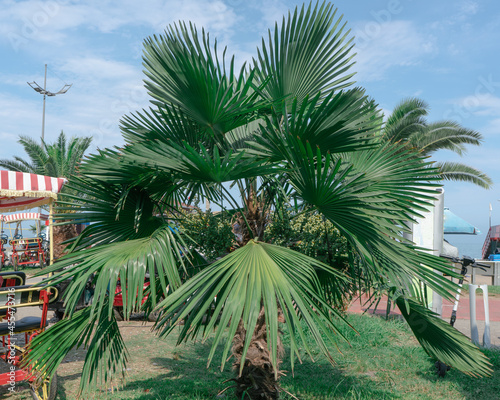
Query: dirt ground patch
(139,340)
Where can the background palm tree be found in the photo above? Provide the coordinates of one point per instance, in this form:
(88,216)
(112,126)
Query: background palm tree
(408,126)
(288,125)
(59,159)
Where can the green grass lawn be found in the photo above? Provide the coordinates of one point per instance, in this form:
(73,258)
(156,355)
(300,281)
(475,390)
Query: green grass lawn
(383,362)
(492,290)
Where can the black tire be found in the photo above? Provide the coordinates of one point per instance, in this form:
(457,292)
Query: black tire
(153,315)
(441,368)
(118,313)
(46,391)
(59,314)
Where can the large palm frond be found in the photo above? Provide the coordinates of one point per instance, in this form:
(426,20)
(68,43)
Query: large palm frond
(342,122)
(164,124)
(159,254)
(340,195)
(113,212)
(407,119)
(66,155)
(17,164)
(407,125)
(453,171)
(445,135)
(440,340)
(36,153)
(390,187)
(310,54)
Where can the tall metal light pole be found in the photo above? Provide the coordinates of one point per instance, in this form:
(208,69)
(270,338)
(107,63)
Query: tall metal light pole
(45,93)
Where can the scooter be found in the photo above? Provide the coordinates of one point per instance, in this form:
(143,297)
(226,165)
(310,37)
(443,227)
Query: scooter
(466,262)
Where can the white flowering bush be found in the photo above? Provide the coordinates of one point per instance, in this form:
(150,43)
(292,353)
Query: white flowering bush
(211,233)
(309,234)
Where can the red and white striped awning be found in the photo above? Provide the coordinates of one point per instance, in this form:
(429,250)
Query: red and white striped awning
(24,217)
(20,191)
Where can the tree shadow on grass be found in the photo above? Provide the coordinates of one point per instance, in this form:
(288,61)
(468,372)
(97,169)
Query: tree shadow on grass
(61,391)
(471,388)
(186,376)
(320,380)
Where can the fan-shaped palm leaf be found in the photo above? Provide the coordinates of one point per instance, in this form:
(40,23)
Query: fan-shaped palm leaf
(259,274)
(185,72)
(128,261)
(106,356)
(310,54)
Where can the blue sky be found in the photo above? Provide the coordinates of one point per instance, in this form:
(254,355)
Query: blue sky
(445,52)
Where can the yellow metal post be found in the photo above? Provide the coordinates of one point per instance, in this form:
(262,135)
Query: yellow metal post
(51,232)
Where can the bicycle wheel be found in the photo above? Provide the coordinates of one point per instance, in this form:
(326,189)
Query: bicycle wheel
(45,390)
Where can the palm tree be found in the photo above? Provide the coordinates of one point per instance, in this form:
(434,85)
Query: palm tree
(287,124)
(408,126)
(58,159)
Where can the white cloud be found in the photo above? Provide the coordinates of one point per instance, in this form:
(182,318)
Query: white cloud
(94,68)
(493,129)
(479,104)
(19,117)
(380,46)
(272,12)
(84,43)
(465,10)
(103,91)
(23,22)
(458,16)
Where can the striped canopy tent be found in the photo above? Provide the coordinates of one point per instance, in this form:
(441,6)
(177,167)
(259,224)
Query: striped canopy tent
(24,217)
(23,191)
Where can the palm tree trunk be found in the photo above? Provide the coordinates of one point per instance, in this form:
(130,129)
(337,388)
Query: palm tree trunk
(61,234)
(258,379)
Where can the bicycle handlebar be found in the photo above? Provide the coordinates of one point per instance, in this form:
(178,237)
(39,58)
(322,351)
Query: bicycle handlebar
(466,261)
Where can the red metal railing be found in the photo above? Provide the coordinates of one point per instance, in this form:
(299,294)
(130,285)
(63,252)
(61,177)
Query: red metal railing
(486,245)
(493,235)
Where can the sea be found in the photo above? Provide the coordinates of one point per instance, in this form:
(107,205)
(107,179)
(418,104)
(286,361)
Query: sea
(468,245)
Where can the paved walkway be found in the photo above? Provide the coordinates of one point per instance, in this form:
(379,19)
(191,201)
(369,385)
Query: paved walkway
(463,314)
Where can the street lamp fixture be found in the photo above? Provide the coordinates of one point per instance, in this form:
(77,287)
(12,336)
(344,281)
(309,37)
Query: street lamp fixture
(40,90)
(37,88)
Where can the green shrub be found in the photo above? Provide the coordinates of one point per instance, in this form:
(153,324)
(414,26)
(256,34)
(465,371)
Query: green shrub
(211,233)
(309,234)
